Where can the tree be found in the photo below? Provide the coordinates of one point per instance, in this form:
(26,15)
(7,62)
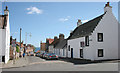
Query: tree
(17,49)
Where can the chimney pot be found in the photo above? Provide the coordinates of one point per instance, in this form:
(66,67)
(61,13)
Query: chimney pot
(108,4)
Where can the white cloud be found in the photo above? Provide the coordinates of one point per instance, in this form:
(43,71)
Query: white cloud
(33,10)
(64,19)
(83,21)
(68,16)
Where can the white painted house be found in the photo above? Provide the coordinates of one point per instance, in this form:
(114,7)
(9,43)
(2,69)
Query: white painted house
(96,39)
(4,36)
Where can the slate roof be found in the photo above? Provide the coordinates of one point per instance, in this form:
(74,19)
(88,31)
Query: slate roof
(3,21)
(62,44)
(86,28)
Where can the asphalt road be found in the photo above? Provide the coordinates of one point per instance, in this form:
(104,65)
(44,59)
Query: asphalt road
(38,64)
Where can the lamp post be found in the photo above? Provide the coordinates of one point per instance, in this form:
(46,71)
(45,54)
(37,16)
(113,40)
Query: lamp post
(20,41)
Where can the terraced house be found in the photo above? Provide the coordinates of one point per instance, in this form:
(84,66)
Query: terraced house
(61,46)
(96,39)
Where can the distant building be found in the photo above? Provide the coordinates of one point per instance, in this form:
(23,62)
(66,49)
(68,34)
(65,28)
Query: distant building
(4,36)
(53,44)
(30,49)
(48,42)
(42,46)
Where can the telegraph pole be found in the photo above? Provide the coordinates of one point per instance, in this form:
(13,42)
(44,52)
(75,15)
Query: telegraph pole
(20,40)
(26,39)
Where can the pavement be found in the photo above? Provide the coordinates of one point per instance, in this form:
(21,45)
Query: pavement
(28,60)
(18,63)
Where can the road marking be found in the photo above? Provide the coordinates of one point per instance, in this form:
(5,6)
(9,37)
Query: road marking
(48,62)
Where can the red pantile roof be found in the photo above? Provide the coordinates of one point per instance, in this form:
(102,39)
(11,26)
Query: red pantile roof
(50,40)
(38,51)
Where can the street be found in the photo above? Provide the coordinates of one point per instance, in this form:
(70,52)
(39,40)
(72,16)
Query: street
(38,64)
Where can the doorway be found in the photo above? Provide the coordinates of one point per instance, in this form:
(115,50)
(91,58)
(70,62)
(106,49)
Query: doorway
(71,52)
(3,58)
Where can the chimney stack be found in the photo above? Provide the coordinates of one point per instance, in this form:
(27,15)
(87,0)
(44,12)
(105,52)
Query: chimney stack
(107,7)
(79,22)
(108,4)
(55,38)
(61,37)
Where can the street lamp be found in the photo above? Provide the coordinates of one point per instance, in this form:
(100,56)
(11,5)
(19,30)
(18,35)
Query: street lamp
(20,41)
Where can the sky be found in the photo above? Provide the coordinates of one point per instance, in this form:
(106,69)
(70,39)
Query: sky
(44,20)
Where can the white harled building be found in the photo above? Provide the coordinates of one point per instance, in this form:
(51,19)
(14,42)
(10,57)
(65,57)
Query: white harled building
(96,39)
(4,36)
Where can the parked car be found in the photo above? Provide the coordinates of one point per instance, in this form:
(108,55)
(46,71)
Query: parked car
(44,56)
(31,54)
(52,56)
(38,54)
(41,55)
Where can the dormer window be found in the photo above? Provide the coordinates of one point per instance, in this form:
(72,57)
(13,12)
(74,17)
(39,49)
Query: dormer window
(100,37)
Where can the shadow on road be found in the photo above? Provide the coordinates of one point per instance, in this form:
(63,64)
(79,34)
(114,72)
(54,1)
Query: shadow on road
(84,61)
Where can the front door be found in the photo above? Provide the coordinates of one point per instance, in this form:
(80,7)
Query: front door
(71,52)
(3,58)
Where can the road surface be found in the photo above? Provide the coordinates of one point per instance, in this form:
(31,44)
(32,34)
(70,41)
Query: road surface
(38,64)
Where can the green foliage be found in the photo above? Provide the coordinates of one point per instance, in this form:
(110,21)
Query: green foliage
(17,49)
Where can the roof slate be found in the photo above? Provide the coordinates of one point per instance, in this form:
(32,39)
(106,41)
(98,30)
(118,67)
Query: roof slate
(61,44)
(86,29)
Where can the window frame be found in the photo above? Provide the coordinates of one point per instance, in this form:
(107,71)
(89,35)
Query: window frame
(99,53)
(81,53)
(63,52)
(86,40)
(98,38)
(68,47)
(82,44)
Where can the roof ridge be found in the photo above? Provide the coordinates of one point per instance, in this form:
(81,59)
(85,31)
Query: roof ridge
(90,20)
